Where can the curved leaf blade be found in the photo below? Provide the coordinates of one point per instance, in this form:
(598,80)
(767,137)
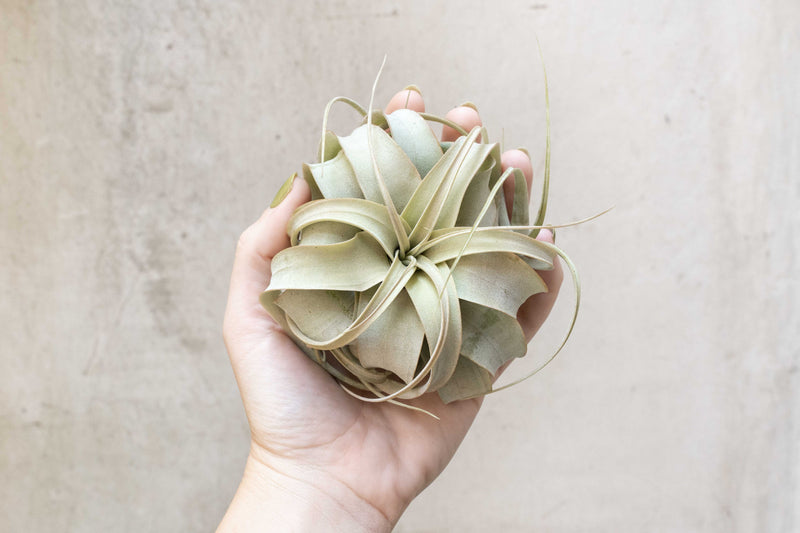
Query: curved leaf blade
(335,177)
(412,133)
(380,345)
(447,244)
(401,176)
(468,381)
(329,267)
(393,282)
(318,313)
(499,280)
(491,338)
(444,340)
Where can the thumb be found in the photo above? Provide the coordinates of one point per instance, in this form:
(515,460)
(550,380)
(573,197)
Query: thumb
(257,245)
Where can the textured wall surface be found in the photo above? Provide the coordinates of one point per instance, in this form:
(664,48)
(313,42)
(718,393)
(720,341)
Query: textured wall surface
(137,139)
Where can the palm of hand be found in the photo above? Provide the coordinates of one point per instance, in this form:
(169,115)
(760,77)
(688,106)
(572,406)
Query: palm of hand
(302,423)
(299,415)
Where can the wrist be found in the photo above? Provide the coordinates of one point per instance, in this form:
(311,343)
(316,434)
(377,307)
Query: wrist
(273,496)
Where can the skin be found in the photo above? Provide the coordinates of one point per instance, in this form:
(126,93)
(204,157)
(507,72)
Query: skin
(320,459)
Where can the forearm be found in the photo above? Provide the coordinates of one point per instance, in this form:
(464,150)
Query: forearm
(269,500)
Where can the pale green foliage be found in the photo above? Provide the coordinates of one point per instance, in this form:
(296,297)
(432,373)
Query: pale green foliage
(406,272)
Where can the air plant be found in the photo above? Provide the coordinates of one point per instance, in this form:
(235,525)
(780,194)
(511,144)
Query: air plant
(406,271)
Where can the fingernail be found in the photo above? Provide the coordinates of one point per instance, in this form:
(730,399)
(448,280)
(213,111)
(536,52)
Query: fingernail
(284,191)
(413,88)
(470,105)
(525,151)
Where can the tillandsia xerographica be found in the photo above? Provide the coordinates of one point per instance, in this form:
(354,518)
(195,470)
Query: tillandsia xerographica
(406,270)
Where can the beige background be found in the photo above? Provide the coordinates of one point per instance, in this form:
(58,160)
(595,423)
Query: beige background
(137,139)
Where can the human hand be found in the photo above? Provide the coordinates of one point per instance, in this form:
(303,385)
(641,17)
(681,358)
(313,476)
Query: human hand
(319,458)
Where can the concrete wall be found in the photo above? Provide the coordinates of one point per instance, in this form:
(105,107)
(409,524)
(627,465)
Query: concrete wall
(137,139)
